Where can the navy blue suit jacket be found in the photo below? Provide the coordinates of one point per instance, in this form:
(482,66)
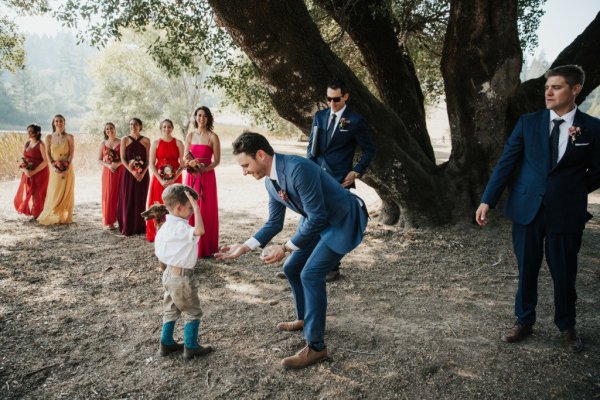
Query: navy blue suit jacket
(328,210)
(563,190)
(338,158)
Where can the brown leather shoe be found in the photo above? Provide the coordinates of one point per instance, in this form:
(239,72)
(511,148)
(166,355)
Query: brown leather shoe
(166,349)
(304,358)
(296,325)
(188,353)
(517,333)
(571,340)
(280,275)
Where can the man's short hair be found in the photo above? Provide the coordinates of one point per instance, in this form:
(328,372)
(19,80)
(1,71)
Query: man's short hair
(175,194)
(250,143)
(573,74)
(338,84)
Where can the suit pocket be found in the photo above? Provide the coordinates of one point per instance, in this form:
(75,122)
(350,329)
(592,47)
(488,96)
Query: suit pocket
(582,144)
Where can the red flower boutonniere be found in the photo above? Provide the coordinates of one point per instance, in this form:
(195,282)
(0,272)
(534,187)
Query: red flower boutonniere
(283,195)
(344,123)
(574,131)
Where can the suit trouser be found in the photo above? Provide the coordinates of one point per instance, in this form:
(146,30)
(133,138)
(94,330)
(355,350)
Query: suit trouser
(306,269)
(561,255)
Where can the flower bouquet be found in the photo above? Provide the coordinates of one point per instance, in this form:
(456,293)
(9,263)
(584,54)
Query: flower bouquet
(111,156)
(192,165)
(574,131)
(166,172)
(25,164)
(60,166)
(136,164)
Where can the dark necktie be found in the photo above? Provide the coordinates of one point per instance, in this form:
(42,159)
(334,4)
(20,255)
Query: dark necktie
(276,185)
(554,136)
(330,129)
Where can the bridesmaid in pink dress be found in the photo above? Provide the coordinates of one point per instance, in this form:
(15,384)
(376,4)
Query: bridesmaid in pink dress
(112,170)
(31,193)
(203,145)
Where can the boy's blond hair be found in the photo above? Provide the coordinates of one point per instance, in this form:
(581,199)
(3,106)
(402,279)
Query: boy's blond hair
(175,194)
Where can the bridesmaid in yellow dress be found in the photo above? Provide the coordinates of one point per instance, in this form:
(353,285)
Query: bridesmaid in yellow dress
(60,197)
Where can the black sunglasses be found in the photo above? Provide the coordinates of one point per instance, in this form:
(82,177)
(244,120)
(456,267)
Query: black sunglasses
(334,99)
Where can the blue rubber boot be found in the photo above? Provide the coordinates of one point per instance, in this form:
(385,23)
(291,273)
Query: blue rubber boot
(167,344)
(191,347)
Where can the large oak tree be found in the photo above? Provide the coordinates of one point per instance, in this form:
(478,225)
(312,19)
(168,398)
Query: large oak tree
(480,63)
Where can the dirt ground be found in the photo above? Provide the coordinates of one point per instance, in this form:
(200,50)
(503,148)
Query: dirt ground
(417,314)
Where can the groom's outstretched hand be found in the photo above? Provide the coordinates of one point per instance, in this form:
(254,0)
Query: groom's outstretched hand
(231,252)
(481,214)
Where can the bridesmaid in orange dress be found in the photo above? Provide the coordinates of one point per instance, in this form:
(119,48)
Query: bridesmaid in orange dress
(109,158)
(204,146)
(166,155)
(31,193)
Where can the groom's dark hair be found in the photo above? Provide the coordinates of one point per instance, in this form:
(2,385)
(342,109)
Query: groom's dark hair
(573,74)
(250,143)
(338,84)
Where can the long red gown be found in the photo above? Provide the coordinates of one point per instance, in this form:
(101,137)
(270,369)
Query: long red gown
(206,186)
(31,192)
(110,189)
(132,194)
(167,153)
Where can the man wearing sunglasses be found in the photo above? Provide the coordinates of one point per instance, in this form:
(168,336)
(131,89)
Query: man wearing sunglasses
(335,134)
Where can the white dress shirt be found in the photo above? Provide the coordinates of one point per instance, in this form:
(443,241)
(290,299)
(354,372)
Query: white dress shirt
(563,139)
(252,243)
(175,243)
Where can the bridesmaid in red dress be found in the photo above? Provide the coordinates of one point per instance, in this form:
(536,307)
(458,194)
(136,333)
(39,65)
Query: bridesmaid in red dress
(203,146)
(112,170)
(31,193)
(166,155)
(133,188)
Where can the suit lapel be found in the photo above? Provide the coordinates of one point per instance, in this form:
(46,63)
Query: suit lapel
(544,138)
(283,181)
(336,132)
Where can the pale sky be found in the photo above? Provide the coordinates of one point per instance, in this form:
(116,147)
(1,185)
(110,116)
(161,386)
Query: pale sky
(563,21)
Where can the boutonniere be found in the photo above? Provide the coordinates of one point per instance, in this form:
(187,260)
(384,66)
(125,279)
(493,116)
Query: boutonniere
(344,123)
(574,131)
(283,195)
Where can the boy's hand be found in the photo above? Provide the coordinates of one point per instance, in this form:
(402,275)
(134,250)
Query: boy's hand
(193,202)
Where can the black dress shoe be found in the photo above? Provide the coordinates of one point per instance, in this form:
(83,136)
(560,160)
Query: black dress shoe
(517,333)
(281,275)
(571,340)
(332,276)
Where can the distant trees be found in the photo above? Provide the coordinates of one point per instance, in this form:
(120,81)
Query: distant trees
(128,83)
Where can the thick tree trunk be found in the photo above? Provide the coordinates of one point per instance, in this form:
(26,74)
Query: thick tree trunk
(481,65)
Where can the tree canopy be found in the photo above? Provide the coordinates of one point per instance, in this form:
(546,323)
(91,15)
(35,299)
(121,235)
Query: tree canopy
(389,53)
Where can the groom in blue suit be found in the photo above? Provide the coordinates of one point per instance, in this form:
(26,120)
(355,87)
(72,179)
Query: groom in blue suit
(554,155)
(332,223)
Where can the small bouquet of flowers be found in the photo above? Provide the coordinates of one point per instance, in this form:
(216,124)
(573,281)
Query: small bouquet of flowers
(60,166)
(192,165)
(136,164)
(25,164)
(111,156)
(166,172)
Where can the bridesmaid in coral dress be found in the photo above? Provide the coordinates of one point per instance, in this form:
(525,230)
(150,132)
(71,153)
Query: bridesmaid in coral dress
(109,157)
(166,155)
(31,193)
(60,197)
(133,188)
(203,147)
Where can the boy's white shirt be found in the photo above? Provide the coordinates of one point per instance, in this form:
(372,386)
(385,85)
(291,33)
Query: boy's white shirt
(175,243)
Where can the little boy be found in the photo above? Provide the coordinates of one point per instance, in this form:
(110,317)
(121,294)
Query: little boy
(176,245)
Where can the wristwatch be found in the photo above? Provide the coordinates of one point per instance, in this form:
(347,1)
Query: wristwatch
(285,249)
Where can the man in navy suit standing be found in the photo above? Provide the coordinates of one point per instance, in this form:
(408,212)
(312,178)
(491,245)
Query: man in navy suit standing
(554,155)
(335,134)
(332,223)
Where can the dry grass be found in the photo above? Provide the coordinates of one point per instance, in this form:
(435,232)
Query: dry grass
(86,149)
